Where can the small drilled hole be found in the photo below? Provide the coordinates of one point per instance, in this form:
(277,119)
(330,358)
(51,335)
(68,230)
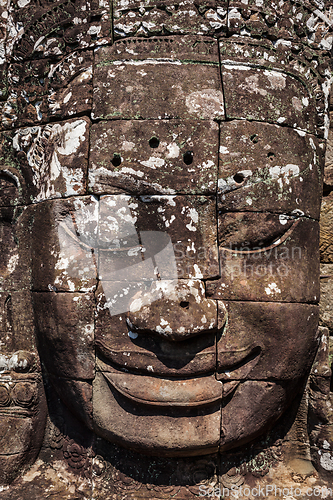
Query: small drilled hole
(254,138)
(271,156)
(188,157)
(239,178)
(184,305)
(154,142)
(116,160)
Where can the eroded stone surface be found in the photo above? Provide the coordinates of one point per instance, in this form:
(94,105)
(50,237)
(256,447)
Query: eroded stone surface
(248,351)
(272,263)
(326,230)
(40,90)
(157,237)
(22,412)
(145,246)
(174,73)
(151,350)
(3,60)
(160,478)
(280,21)
(68,349)
(256,94)
(51,160)
(69,263)
(269,168)
(159,157)
(169,17)
(198,429)
(49,30)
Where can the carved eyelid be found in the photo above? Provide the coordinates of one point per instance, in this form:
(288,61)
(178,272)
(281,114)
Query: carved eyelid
(89,247)
(278,242)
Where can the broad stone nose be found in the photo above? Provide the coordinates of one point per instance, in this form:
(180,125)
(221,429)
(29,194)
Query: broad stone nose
(175,309)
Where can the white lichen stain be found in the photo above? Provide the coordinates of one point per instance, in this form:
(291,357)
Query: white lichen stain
(173,150)
(12,263)
(326,460)
(277,80)
(131,171)
(164,331)
(297,103)
(128,145)
(283,174)
(198,273)
(207,103)
(281,119)
(272,288)
(153,162)
(283,219)
(136,305)
(207,165)
(252,85)
(67,97)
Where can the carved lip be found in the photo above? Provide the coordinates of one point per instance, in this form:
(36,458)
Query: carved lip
(187,391)
(236,365)
(160,365)
(229,364)
(157,391)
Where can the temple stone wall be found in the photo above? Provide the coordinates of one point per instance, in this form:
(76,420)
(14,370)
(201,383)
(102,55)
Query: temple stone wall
(87,69)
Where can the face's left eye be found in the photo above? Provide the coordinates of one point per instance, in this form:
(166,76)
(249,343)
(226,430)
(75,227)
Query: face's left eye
(251,231)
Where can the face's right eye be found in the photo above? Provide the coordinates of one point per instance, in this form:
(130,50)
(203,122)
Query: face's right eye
(252,231)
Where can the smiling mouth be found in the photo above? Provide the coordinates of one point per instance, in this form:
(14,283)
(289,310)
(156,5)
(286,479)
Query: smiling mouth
(157,391)
(153,387)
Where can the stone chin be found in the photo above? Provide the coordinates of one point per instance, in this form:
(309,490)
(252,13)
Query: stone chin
(175,430)
(171,426)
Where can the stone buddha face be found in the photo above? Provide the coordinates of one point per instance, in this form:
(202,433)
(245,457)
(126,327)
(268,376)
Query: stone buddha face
(175,276)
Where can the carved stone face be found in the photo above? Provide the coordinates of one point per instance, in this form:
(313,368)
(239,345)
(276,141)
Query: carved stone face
(176,296)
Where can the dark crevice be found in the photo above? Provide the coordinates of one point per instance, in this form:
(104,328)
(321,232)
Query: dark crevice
(270,212)
(327,189)
(224,300)
(188,158)
(64,291)
(221,73)
(54,119)
(154,142)
(116,160)
(269,122)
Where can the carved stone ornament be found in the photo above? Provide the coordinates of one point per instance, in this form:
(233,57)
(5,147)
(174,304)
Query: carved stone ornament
(161,171)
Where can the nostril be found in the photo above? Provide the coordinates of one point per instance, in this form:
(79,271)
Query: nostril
(184,305)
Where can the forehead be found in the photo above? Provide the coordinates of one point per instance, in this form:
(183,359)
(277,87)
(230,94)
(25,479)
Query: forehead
(251,166)
(173,116)
(189,78)
(200,99)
